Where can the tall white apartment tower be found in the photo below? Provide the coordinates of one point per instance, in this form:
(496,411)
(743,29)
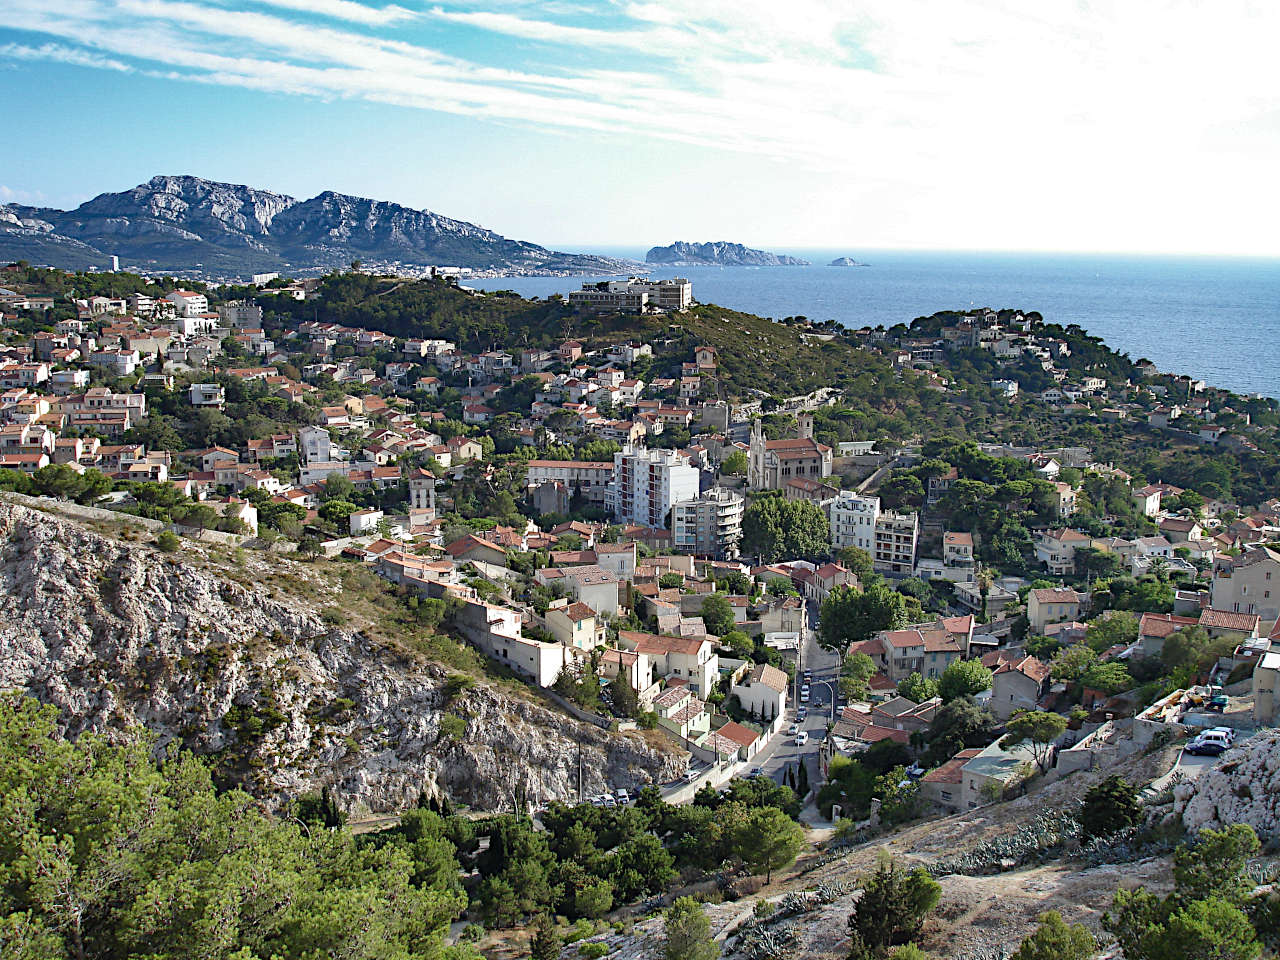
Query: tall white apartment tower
(648,483)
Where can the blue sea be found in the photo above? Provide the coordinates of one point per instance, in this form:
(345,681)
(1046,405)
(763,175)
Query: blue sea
(1214,318)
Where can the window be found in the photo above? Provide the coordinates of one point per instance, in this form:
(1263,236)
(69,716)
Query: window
(946,795)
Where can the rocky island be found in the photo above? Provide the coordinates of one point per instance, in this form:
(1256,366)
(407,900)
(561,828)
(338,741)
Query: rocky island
(720,253)
(845,262)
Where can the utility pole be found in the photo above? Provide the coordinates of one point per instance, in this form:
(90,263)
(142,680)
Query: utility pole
(579,771)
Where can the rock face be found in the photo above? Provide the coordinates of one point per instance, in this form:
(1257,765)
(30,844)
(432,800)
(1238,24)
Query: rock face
(186,223)
(118,635)
(721,253)
(1242,787)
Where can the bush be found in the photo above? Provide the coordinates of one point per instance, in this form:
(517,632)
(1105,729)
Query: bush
(452,727)
(764,908)
(892,908)
(593,950)
(167,541)
(1109,807)
(1055,940)
(581,929)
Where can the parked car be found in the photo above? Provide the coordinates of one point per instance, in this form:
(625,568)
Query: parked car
(690,776)
(608,801)
(793,729)
(808,677)
(756,772)
(802,738)
(622,796)
(802,713)
(1228,732)
(1206,748)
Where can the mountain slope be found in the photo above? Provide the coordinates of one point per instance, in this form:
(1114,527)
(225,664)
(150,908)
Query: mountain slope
(186,223)
(237,663)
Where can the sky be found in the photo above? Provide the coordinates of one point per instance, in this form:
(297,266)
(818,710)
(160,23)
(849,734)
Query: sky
(1139,126)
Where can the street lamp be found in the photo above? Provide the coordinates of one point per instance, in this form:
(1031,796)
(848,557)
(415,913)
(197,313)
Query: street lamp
(834,693)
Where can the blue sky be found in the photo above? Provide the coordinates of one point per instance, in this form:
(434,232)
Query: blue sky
(1135,125)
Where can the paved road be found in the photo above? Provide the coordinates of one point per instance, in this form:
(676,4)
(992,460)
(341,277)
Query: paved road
(826,670)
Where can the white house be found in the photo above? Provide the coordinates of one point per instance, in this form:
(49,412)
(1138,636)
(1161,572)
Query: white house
(690,659)
(762,692)
(189,303)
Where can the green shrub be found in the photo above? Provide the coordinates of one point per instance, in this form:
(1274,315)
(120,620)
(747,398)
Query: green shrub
(452,727)
(593,950)
(581,929)
(1109,807)
(167,541)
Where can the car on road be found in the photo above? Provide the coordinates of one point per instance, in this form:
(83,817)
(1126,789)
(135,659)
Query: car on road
(691,776)
(622,797)
(1205,748)
(793,729)
(804,694)
(808,677)
(802,738)
(1228,732)
(801,714)
(756,772)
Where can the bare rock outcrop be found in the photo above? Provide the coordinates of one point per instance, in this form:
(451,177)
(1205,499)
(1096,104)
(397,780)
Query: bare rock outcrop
(119,636)
(1242,787)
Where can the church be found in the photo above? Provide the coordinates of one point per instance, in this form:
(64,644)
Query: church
(772,463)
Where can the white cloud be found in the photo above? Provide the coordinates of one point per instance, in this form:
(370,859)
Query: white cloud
(992,110)
(57,52)
(345,10)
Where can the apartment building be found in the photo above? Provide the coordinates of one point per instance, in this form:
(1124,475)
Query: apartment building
(895,545)
(188,303)
(633,295)
(1249,583)
(590,478)
(648,483)
(241,313)
(853,521)
(709,525)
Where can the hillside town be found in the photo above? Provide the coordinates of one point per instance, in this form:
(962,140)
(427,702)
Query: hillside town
(894,627)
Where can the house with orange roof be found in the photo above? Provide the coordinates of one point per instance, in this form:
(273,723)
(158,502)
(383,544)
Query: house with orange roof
(689,659)
(941,786)
(1017,682)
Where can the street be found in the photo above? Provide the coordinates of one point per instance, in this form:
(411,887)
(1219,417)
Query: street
(783,752)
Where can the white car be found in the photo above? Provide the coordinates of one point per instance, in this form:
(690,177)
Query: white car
(804,695)
(802,738)
(793,729)
(1228,732)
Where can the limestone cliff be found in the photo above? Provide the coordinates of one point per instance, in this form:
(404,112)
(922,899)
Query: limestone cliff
(213,655)
(1243,786)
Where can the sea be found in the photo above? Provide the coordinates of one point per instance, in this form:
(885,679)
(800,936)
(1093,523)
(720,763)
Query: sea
(1215,318)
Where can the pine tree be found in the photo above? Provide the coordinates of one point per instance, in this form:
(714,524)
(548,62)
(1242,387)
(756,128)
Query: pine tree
(802,784)
(546,943)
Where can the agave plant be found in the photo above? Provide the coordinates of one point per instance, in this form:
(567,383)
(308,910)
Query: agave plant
(1038,840)
(794,903)
(759,942)
(832,890)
